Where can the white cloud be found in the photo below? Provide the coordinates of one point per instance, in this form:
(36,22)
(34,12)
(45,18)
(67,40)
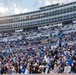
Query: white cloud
(7,8)
(13,9)
(48,2)
(3,9)
(18,10)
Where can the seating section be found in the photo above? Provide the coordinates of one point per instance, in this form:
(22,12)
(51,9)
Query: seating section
(46,50)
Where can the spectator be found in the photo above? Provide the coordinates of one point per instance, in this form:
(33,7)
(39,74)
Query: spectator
(73,68)
(56,68)
(35,55)
(67,68)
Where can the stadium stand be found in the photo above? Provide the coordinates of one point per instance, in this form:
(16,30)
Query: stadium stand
(45,50)
(39,42)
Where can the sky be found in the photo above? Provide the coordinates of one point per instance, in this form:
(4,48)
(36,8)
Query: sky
(11,7)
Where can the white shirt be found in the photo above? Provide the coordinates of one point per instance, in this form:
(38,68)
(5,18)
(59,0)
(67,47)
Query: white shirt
(67,69)
(26,71)
(48,60)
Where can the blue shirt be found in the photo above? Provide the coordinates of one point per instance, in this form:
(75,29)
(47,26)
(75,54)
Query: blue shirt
(70,61)
(23,69)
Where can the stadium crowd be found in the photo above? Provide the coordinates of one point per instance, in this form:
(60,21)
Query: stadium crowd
(31,56)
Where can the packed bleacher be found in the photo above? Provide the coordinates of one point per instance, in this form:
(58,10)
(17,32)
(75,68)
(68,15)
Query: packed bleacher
(46,50)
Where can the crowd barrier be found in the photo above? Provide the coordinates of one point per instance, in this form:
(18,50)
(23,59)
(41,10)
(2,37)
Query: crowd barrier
(39,74)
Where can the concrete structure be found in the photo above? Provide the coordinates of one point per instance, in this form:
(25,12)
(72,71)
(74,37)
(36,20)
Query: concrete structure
(47,15)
